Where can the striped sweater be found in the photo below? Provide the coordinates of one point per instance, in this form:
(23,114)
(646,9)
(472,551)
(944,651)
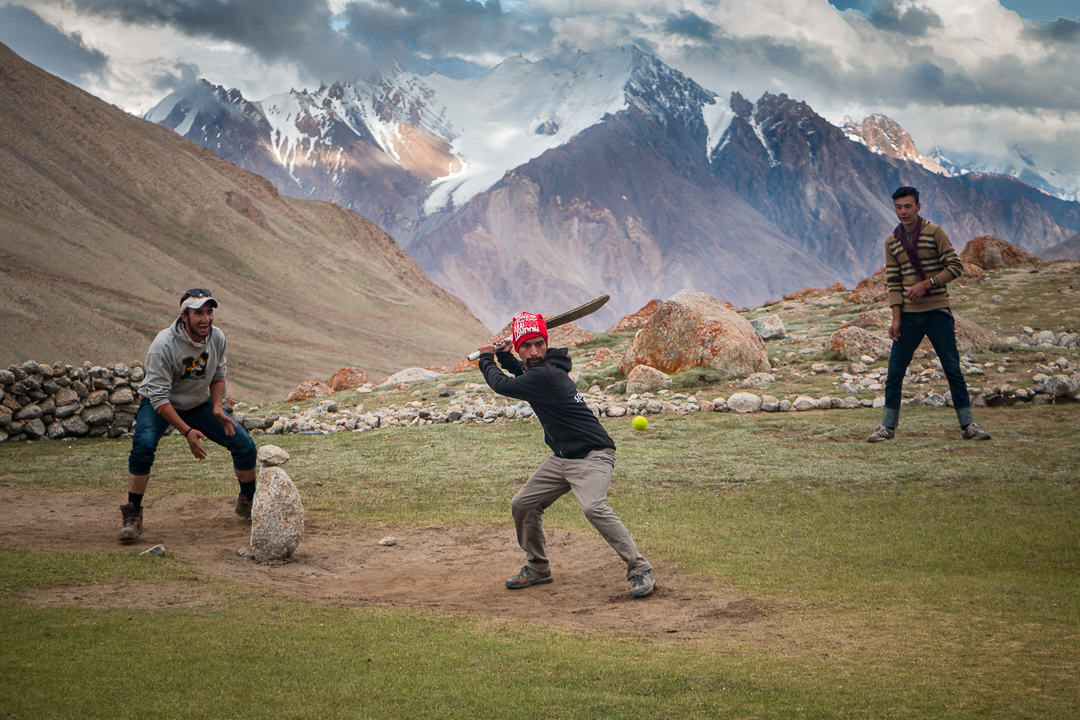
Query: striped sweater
(939,260)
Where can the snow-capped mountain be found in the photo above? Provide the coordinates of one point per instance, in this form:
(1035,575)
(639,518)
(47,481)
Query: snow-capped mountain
(884,136)
(541,184)
(1021,166)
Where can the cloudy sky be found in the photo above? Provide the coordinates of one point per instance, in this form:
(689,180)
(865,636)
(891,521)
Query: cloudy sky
(998,77)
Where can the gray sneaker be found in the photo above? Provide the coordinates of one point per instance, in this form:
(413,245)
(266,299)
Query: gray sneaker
(882,433)
(526,577)
(642,584)
(974,432)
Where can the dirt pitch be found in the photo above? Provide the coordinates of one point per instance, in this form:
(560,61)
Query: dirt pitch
(440,568)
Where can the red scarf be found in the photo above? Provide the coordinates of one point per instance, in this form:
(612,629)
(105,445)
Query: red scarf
(911,247)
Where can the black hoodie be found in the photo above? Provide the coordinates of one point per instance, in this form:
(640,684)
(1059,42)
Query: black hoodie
(570,428)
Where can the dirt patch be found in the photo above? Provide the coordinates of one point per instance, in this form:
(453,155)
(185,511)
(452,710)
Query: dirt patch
(443,568)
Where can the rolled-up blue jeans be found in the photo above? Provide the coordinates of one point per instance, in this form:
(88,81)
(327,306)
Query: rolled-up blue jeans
(150,427)
(940,328)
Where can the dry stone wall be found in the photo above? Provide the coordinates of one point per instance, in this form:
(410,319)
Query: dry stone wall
(58,401)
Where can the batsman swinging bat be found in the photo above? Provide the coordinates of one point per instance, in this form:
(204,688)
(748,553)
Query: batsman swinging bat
(563,318)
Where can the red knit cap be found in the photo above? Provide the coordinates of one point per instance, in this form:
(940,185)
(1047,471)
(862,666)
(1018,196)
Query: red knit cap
(527,325)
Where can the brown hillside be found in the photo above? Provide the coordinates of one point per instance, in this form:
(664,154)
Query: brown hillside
(106,219)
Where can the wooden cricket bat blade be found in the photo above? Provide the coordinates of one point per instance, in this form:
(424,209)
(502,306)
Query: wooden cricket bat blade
(563,318)
(577,313)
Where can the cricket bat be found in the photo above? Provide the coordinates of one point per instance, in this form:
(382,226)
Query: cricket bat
(563,318)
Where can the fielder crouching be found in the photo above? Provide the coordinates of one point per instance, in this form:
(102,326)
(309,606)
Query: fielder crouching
(184,388)
(583,454)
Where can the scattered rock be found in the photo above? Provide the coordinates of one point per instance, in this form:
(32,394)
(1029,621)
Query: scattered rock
(272,456)
(408,375)
(644,379)
(770,327)
(744,402)
(851,343)
(309,389)
(277,516)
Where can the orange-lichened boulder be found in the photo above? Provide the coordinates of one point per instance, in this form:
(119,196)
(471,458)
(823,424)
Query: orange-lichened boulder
(465,365)
(693,329)
(990,252)
(638,320)
(347,377)
(309,389)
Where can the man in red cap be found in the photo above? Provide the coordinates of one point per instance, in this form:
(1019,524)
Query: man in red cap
(583,454)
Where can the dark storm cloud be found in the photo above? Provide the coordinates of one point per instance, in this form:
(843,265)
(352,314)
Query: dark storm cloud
(181,74)
(291,30)
(1061,30)
(690,25)
(912,21)
(48,47)
(441,28)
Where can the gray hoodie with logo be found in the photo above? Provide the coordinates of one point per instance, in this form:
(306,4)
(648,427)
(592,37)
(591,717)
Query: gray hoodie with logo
(179,371)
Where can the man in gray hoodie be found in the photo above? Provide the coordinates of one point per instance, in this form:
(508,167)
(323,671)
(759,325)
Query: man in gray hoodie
(184,388)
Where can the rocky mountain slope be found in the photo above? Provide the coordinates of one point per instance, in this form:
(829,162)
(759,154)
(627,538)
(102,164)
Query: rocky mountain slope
(612,172)
(106,219)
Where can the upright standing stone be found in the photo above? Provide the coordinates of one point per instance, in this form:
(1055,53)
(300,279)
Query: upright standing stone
(277,515)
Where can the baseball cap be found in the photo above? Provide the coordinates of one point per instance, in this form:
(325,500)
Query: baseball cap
(196,298)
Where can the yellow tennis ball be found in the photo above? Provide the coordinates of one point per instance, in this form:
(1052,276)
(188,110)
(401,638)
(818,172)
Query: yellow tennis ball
(640,423)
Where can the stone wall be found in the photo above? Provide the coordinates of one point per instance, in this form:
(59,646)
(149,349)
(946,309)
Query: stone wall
(58,401)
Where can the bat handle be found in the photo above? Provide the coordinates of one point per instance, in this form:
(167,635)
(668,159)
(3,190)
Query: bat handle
(476,355)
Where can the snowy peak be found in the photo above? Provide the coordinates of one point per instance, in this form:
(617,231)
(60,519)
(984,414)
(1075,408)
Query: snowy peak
(785,131)
(182,109)
(665,93)
(460,136)
(884,136)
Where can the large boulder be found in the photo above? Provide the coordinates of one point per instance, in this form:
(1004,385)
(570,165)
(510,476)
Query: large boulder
(638,320)
(693,329)
(346,378)
(990,252)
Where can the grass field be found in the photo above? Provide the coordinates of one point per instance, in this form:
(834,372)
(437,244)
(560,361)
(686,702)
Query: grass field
(926,577)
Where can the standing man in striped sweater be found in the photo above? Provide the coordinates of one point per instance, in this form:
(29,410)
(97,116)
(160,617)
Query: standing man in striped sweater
(919,261)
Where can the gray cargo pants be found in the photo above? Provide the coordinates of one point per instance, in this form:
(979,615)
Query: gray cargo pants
(589,479)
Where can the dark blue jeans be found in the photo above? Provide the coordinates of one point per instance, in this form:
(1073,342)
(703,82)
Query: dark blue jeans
(939,327)
(150,426)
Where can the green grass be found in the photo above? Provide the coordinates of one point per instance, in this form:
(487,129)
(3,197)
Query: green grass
(923,577)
